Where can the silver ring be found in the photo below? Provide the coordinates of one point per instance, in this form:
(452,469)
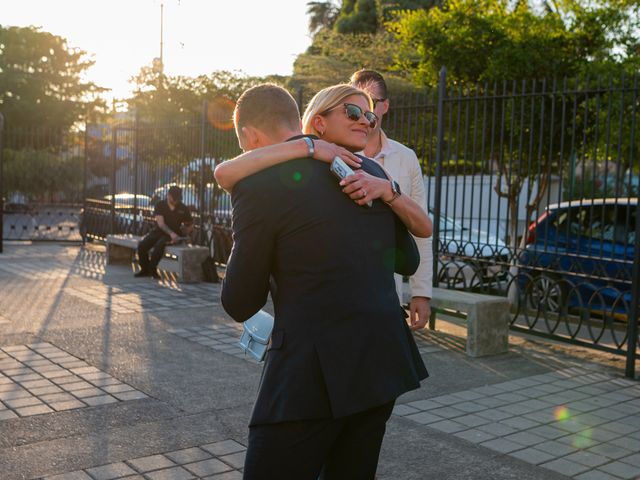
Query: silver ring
(364,193)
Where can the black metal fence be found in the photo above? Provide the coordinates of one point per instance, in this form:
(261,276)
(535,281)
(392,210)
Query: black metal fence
(534,186)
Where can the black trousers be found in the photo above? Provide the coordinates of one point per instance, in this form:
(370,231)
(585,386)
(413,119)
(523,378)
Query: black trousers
(334,449)
(155,240)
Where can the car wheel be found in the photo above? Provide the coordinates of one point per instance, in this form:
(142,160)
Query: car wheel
(546,293)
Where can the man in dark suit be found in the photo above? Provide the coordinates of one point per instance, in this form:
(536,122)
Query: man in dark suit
(341,352)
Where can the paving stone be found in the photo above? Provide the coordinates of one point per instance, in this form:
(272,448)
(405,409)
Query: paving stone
(7,414)
(565,467)
(57,397)
(31,384)
(236,460)
(590,419)
(632,459)
(516,409)
(555,448)
(13,394)
(130,395)
(548,432)
(81,385)
(491,402)
(587,458)
(475,436)
(472,420)
(117,388)
(447,412)
(520,423)
(502,446)
(104,382)
(596,475)
(470,407)
(525,438)
(66,380)
(61,406)
(174,473)
(599,435)
(152,462)
(233,475)
(402,410)
(621,469)
(79,475)
(22,402)
(494,415)
(33,410)
(87,392)
(532,456)
(99,400)
(208,467)
(619,428)
(46,390)
(448,426)
(626,442)
(497,429)
(424,404)
(581,441)
(424,418)
(188,455)
(108,472)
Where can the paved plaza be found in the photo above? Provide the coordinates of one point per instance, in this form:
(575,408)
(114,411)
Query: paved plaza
(105,376)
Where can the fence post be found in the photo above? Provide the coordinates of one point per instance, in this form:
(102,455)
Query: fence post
(442,93)
(1,183)
(112,226)
(634,312)
(135,171)
(84,177)
(203,181)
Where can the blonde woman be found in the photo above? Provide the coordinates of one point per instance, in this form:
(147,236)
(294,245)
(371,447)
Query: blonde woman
(337,121)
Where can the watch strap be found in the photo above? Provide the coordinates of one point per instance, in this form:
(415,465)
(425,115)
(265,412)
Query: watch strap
(310,146)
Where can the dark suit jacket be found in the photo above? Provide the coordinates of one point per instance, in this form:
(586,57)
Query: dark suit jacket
(340,343)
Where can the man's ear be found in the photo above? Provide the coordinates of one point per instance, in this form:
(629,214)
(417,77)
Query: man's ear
(386,106)
(250,138)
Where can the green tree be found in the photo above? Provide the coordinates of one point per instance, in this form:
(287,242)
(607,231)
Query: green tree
(40,80)
(322,15)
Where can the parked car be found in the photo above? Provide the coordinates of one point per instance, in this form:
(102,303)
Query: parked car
(579,255)
(469,258)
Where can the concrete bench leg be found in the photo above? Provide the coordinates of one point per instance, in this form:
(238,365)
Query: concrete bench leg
(488,329)
(191,266)
(117,254)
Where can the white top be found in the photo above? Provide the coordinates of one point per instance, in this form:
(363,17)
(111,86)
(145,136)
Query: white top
(402,165)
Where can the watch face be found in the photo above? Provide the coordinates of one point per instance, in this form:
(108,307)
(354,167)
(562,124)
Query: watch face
(396,187)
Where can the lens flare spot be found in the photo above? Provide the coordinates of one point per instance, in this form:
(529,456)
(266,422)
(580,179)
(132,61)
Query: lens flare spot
(562,414)
(297,176)
(583,439)
(220,112)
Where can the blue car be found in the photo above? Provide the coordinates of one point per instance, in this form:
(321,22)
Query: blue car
(579,255)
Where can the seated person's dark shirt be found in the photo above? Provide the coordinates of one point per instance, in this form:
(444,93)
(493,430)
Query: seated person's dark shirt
(173,218)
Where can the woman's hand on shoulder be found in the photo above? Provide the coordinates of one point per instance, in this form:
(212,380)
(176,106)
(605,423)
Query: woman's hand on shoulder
(326,152)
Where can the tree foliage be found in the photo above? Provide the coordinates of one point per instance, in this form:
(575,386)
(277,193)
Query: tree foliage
(492,40)
(40,80)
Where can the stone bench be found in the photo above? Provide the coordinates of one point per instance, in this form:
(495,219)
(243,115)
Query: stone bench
(487,318)
(184,260)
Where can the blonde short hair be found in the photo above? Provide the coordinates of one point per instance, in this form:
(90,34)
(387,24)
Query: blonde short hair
(326,99)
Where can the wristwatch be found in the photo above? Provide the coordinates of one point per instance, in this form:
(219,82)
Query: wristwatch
(310,146)
(395,188)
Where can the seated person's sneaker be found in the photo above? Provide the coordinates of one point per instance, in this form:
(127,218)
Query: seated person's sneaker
(142,273)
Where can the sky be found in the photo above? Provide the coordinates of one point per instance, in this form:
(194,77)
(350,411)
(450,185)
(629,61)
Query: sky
(256,37)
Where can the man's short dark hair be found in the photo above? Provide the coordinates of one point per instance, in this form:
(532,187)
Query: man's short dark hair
(362,78)
(175,192)
(267,107)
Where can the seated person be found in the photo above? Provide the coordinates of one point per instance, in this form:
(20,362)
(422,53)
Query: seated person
(172,216)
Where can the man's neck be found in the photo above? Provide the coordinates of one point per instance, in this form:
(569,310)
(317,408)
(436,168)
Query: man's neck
(374,144)
(286,135)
